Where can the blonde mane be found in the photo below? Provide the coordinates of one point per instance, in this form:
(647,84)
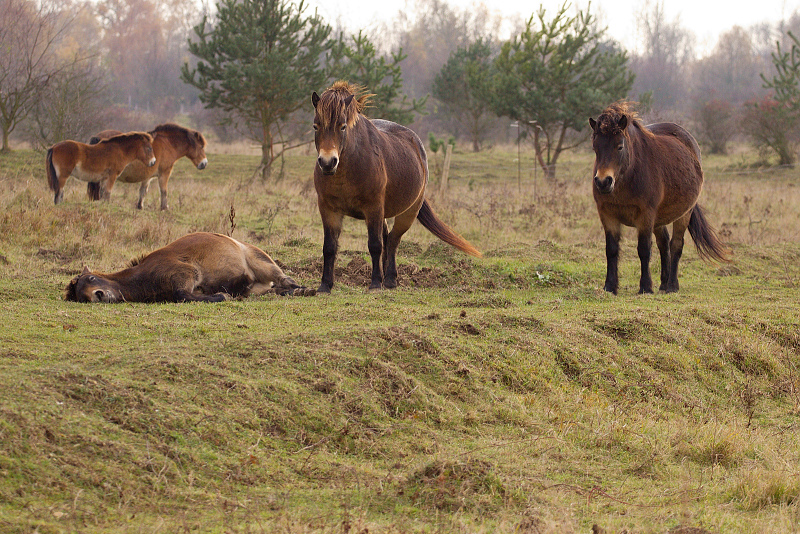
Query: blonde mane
(332,103)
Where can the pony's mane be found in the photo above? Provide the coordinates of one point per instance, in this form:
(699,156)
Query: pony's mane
(608,121)
(136,261)
(170,128)
(129,136)
(331,103)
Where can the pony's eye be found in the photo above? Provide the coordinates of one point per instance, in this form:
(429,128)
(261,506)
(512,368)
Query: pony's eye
(316,127)
(343,127)
(620,147)
(91,278)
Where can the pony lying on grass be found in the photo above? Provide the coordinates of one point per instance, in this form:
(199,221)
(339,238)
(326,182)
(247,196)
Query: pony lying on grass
(197,267)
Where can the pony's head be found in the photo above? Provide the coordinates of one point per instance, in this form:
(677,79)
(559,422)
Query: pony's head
(193,140)
(141,141)
(92,287)
(610,142)
(335,112)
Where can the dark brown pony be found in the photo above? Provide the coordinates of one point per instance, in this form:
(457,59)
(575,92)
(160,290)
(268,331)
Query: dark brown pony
(96,163)
(648,177)
(371,170)
(197,267)
(170,143)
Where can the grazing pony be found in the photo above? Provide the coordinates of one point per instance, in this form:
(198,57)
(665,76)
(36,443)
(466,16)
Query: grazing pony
(170,143)
(197,267)
(96,163)
(371,170)
(648,177)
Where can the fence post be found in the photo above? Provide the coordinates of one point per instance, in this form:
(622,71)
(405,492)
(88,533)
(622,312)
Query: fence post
(446,169)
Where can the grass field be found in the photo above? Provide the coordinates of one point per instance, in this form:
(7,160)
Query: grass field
(502,394)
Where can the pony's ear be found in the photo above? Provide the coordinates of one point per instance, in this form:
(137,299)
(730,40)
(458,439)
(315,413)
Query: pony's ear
(85,270)
(623,122)
(348,100)
(69,292)
(593,124)
(314,98)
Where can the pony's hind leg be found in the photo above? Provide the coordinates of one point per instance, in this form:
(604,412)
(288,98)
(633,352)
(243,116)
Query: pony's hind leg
(401,225)
(662,240)
(676,251)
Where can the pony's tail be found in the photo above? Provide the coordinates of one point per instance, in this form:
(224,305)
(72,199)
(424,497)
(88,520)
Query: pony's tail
(52,178)
(93,190)
(705,238)
(438,228)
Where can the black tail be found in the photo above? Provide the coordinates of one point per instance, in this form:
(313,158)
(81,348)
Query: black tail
(438,228)
(94,191)
(705,238)
(52,178)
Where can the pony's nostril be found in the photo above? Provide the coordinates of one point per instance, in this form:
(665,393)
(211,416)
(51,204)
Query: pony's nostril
(334,161)
(99,294)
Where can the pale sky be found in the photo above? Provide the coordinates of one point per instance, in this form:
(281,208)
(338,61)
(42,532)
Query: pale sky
(706,18)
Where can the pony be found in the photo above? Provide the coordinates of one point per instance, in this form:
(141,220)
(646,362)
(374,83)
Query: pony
(96,163)
(201,267)
(371,170)
(647,177)
(170,143)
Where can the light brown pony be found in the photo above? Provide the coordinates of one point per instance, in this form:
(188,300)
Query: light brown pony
(170,143)
(96,163)
(197,267)
(648,177)
(371,170)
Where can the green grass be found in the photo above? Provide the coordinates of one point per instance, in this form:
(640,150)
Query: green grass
(501,394)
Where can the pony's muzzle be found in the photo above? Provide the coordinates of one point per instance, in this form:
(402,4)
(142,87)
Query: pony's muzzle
(152,161)
(328,165)
(202,165)
(604,185)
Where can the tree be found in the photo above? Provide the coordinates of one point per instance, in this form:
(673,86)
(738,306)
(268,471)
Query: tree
(463,86)
(731,71)
(715,125)
(668,50)
(259,63)
(356,61)
(553,76)
(29,35)
(774,121)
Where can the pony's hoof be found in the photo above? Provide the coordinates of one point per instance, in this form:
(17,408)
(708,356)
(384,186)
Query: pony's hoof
(390,284)
(301,291)
(324,288)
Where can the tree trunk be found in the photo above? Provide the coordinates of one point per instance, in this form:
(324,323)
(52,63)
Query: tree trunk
(5,148)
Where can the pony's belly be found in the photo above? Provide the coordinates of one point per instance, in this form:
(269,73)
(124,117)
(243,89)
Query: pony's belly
(136,172)
(85,175)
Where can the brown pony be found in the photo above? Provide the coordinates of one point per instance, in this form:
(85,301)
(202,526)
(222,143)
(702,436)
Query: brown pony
(170,143)
(96,163)
(371,170)
(197,267)
(648,177)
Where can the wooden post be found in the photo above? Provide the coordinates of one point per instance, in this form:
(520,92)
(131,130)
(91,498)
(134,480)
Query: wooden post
(446,169)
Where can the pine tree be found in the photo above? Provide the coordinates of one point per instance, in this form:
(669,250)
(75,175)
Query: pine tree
(356,60)
(259,62)
(555,75)
(463,86)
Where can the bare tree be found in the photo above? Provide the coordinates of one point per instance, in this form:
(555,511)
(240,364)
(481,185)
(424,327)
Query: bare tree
(668,50)
(731,71)
(29,35)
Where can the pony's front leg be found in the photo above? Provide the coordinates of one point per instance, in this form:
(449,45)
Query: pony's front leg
(662,240)
(332,226)
(375,226)
(612,261)
(163,179)
(644,249)
(142,193)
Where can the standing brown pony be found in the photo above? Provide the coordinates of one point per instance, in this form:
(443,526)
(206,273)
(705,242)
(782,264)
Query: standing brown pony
(170,143)
(96,163)
(371,170)
(648,177)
